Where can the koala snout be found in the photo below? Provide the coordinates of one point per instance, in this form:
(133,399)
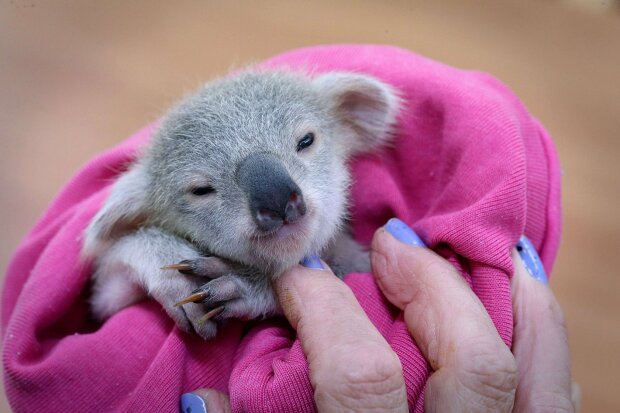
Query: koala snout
(270,219)
(273,197)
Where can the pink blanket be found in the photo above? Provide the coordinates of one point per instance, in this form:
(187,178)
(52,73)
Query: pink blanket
(471,171)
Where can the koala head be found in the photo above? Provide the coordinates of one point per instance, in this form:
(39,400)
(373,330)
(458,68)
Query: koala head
(253,167)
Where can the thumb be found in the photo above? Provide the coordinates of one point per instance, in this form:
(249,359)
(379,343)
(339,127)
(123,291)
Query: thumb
(205,401)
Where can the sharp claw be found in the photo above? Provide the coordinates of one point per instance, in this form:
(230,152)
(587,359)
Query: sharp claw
(182,266)
(194,298)
(215,312)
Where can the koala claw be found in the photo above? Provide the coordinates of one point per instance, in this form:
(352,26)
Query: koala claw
(205,306)
(213,313)
(211,267)
(196,297)
(183,267)
(228,296)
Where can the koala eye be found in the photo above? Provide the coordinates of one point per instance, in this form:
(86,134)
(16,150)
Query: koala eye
(306,141)
(203,190)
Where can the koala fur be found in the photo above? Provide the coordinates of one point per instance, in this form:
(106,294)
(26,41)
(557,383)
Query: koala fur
(242,180)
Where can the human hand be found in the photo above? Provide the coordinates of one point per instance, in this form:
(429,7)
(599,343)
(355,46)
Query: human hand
(352,368)
(473,369)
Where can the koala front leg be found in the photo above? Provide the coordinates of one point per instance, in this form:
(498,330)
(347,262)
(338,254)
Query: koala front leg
(243,293)
(131,268)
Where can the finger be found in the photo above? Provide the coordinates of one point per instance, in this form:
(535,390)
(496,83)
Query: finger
(352,368)
(474,370)
(205,401)
(540,342)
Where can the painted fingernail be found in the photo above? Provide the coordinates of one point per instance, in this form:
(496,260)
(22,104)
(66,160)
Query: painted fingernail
(403,233)
(531,260)
(312,261)
(192,403)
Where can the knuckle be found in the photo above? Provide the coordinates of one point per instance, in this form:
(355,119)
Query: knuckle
(380,367)
(376,380)
(492,376)
(436,267)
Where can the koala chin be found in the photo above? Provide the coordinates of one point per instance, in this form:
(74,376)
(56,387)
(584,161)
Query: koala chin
(242,180)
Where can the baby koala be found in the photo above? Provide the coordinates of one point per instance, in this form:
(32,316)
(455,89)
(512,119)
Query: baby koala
(242,180)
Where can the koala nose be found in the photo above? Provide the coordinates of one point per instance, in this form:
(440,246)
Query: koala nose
(274,198)
(295,207)
(268,219)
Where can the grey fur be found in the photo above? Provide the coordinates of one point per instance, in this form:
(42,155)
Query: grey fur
(152,218)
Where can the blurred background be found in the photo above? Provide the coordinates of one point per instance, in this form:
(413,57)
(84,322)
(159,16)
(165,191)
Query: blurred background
(77,77)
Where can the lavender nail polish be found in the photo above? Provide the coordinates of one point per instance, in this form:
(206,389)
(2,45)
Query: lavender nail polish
(531,260)
(192,403)
(403,233)
(312,261)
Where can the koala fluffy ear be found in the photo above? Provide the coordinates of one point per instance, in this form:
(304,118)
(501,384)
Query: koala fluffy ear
(364,105)
(124,210)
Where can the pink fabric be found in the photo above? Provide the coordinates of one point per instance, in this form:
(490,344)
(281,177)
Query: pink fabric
(471,171)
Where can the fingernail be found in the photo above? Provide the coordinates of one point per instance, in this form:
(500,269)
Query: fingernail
(312,261)
(192,403)
(403,233)
(531,260)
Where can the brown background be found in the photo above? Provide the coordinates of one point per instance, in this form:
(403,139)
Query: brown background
(77,77)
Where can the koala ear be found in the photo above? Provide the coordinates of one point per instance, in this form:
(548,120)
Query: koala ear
(124,210)
(365,106)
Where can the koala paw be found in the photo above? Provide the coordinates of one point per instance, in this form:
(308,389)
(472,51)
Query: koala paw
(229,296)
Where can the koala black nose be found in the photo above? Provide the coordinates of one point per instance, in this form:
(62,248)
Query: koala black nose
(274,198)
(271,218)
